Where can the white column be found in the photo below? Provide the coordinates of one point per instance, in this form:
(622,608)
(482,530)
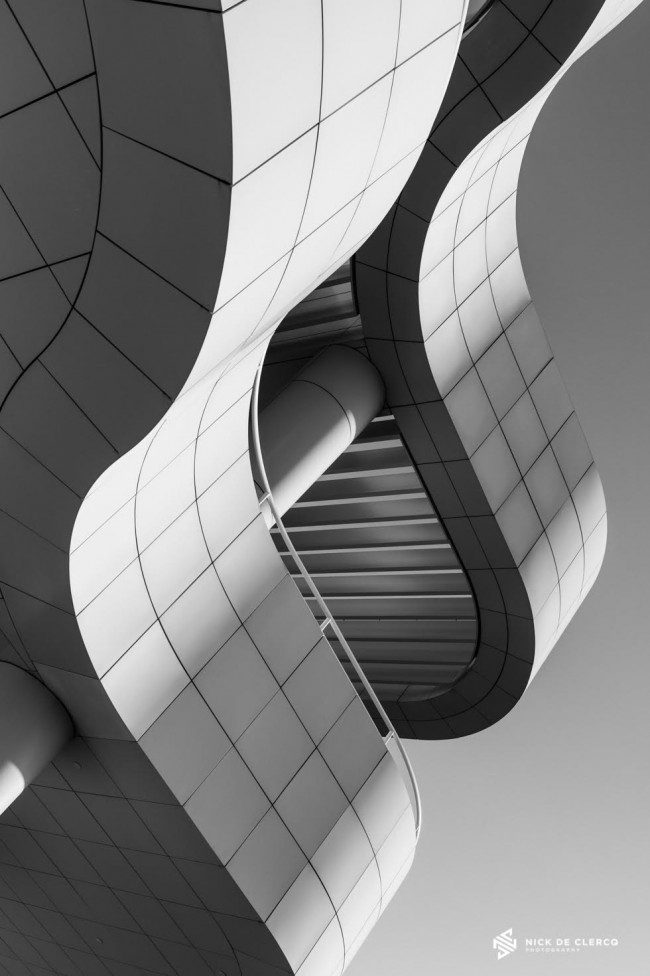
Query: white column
(315,418)
(34,726)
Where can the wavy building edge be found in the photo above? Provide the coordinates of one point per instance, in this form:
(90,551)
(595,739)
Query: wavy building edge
(482,407)
(149,688)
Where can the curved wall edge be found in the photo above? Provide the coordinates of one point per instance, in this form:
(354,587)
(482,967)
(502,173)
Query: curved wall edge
(449,323)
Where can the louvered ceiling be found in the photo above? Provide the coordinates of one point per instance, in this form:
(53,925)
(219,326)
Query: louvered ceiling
(368,533)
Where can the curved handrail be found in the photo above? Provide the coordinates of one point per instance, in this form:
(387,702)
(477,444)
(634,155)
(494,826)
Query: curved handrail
(329,619)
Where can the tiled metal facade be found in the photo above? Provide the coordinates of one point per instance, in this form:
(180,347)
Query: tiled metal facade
(179,833)
(212,196)
(470,376)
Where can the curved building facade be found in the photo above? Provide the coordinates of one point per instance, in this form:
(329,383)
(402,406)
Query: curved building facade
(197,776)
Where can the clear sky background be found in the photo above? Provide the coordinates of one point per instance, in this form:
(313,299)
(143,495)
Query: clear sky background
(541,822)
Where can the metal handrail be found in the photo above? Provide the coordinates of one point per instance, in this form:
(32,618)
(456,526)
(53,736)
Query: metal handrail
(329,619)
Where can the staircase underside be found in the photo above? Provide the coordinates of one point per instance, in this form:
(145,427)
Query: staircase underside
(368,533)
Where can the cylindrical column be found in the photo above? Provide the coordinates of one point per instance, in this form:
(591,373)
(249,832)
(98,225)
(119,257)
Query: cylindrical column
(315,418)
(34,726)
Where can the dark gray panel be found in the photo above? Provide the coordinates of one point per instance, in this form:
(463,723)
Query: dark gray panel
(151,322)
(70,274)
(170,217)
(484,52)
(42,417)
(51,636)
(115,395)
(30,563)
(17,250)
(521,77)
(50,178)
(81,102)
(9,369)
(59,34)
(154,92)
(33,306)
(21,76)
(34,496)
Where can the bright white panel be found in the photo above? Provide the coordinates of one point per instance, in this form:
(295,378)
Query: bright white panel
(374,204)
(275,745)
(546,624)
(509,288)
(343,857)
(326,958)
(185,743)
(595,549)
(352,768)
(282,629)
(361,904)
(347,143)
(233,322)
(200,621)
(479,319)
(418,89)
(571,584)
(474,206)
(227,805)
(267,864)
(495,468)
(470,264)
(145,681)
(501,376)
(108,494)
(589,501)
(233,492)
(396,849)
(507,175)
(308,262)
(447,350)
(519,522)
(265,214)
(360,46)
(125,602)
(572,451)
(177,557)
(220,444)
(311,803)
(524,432)
(501,232)
(539,575)
(274,73)
(381,801)
(236,684)
(437,296)
(546,486)
(529,344)
(301,917)
(422,21)
(163,498)
(440,237)
(116,541)
(564,536)
(470,411)
(319,690)
(551,399)
(250,567)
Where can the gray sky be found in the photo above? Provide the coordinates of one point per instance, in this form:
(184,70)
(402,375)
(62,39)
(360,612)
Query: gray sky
(540,823)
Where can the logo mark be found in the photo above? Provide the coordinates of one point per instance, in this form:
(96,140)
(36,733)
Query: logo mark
(504,944)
